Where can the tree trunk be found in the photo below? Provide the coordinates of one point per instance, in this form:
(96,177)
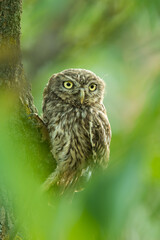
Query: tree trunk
(12,77)
(11,68)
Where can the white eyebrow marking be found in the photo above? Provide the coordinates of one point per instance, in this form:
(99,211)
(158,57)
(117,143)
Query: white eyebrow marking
(72,79)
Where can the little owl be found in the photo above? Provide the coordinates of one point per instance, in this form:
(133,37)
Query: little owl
(78,126)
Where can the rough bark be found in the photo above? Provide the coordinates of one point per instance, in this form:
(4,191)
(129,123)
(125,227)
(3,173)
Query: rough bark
(29,128)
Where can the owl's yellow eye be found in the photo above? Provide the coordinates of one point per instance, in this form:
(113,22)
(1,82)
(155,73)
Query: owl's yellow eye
(68,84)
(92,87)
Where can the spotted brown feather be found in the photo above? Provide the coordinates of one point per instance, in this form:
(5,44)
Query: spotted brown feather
(79,128)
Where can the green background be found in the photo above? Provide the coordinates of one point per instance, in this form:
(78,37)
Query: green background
(120,42)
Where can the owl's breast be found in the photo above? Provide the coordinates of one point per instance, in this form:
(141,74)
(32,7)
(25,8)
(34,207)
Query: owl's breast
(69,132)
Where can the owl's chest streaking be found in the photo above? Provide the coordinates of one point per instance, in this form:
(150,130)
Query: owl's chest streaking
(70,136)
(80,136)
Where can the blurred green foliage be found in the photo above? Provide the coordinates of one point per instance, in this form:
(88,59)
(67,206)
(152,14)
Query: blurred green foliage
(119,41)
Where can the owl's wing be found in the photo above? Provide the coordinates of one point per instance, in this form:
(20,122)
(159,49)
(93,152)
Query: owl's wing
(100,136)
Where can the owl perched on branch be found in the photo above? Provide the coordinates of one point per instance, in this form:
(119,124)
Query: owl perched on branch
(76,119)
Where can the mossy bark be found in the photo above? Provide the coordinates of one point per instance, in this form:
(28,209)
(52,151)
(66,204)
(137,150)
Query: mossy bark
(11,68)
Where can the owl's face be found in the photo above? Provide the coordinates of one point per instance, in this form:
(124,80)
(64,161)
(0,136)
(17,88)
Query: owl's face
(77,87)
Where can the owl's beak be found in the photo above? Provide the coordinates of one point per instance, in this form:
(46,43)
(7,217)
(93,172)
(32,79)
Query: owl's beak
(82,94)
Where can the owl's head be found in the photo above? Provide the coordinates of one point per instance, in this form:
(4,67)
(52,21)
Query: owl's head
(76,86)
